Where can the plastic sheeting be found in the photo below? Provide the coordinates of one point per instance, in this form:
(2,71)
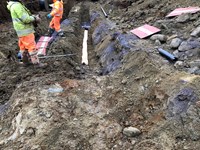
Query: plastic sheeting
(111,56)
(101,31)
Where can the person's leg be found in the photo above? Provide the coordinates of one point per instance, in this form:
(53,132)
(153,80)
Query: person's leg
(57,25)
(21,47)
(51,27)
(23,53)
(30,45)
(20,44)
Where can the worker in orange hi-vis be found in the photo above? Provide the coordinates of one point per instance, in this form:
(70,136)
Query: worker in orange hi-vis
(23,24)
(56,13)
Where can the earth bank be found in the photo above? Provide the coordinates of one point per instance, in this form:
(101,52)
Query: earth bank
(127,83)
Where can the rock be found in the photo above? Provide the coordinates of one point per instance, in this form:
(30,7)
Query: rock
(133,142)
(149,19)
(176,53)
(198,104)
(124,81)
(179,104)
(172,37)
(157,43)
(30,131)
(131,131)
(193,70)
(195,43)
(175,43)
(160,37)
(179,64)
(194,52)
(197,71)
(194,17)
(35,147)
(56,63)
(195,63)
(196,32)
(122,20)
(185,46)
(48,114)
(55,90)
(180,55)
(183,18)
(78,68)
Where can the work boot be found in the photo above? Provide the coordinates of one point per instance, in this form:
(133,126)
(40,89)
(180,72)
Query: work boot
(60,33)
(34,58)
(50,31)
(26,59)
(19,56)
(36,62)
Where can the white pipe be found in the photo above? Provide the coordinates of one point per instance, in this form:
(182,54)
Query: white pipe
(84,50)
(105,14)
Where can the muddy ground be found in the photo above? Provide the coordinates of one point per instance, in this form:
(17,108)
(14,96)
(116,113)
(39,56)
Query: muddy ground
(128,97)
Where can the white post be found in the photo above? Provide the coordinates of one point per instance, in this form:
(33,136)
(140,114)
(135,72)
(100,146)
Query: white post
(84,50)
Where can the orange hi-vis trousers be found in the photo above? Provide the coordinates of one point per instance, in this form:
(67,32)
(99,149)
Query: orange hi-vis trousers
(55,23)
(27,43)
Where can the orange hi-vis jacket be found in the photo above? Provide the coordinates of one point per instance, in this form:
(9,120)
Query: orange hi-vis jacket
(57,9)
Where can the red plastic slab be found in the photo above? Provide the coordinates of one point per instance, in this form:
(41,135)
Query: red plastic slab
(180,11)
(42,45)
(145,31)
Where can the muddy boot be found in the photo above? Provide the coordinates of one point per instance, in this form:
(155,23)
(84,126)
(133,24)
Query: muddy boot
(36,62)
(34,58)
(50,31)
(60,33)
(26,59)
(19,56)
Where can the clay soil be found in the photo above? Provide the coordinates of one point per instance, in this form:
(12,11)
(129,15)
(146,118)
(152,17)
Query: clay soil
(68,106)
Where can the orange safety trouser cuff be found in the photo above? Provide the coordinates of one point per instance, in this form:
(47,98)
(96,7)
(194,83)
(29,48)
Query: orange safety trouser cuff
(55,23)
(27,42)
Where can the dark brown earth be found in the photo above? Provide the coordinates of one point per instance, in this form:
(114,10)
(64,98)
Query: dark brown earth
(126,84)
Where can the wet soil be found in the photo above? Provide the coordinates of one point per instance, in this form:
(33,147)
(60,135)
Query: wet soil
(68,105)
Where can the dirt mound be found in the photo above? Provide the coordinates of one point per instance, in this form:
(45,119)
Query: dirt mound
(128,97)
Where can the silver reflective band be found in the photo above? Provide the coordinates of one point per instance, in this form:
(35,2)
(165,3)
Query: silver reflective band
(24,32)
(24,16)
(16,20)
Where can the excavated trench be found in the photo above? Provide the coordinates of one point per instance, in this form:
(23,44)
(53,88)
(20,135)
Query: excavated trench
(73,106)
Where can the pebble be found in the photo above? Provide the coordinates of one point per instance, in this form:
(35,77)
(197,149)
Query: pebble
(175,43)
(131,131)
(78,68)
(133,142)
(179,64)
(196,32)
(124,81)
(184,46)
(30,132)
(157,43)
(160,37)
(183,18)
(198,104)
